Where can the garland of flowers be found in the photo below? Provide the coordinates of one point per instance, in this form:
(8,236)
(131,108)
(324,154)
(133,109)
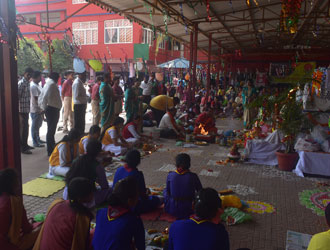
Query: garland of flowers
(290,14)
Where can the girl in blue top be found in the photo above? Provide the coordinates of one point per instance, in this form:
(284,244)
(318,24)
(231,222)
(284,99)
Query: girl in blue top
(146,202)
(117,227)
(203,230)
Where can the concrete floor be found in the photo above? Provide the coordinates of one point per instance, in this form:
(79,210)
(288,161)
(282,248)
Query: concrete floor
(270,185)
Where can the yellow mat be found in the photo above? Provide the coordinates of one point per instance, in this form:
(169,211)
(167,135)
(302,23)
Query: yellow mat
(42,187)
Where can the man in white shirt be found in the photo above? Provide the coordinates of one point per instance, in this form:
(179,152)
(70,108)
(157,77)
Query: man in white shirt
(35,110)
(146,87)
(50,101)
(79,102)
(168,126)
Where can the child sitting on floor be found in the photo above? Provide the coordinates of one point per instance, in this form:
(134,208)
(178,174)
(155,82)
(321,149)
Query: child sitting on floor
(94,133)
(203,230)
(63,154)
(89,167)
(16,233)
(181,188)
(146,203)
(321,241)
(112,140)
(68,222)
(117,227)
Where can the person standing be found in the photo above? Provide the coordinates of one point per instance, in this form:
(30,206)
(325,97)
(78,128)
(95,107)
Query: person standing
(154,85)
(96,101)
(79,102)
(119,94)
(36,112)
(106,103)
(67,101)
(146,86)
(24,97)
(50,101)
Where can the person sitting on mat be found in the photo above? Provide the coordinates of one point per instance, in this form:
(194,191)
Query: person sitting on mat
(206,121)
(131,134)
(168,126)
(63,154)
(112,140)
(89,167)
(117,227)
(94,133)
(181,188)
(16,233)
(146,203)
(67,223)
(203,230)
(321,241)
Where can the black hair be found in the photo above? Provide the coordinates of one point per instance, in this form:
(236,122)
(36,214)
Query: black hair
(182,160)
(118,120)
(176,100)
(327,213)
(85,165)
(106,76)
(94,129)
(207,203)
(116,78)
(8,179)
(68,72)
(124,190)
(80,188)
(137,117)
(99,78)
(36,74)
(54,76)
(28,70)
(73,135)
(133,158)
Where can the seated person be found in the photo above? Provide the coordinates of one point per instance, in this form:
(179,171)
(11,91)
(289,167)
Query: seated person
(88,167)
(203,230)
(117,227)
(63,154)
(181,188)
(67,223)
(168,126)
(94,133)
(112,140)
(148,119)
(131,134)
(16,233)
(321,241)
(160,104)
(206,120)
(146,203)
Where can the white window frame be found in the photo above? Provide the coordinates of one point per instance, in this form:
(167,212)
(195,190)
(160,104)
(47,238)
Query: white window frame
(162,44)
(118,30)
(85,30)
(149,37)
(78,1)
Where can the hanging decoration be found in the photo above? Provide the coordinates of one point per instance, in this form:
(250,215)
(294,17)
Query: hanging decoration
(231,6)
(193,5)
(290,14)
(208,10)
(183,18)
(165,17)
(248,3)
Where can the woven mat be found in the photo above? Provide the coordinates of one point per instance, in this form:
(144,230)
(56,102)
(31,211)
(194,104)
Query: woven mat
(55,178)
(43,188)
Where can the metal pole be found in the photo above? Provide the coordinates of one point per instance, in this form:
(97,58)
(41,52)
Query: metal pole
(191,55)
(208,83)
(10,156)
(218,65)
(194,78)
(50,56)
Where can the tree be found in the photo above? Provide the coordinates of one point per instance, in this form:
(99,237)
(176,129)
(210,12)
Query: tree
(29,55)
(61,57)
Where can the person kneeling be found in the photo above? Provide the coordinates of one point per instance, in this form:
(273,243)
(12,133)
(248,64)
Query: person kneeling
(168,126)
(16,233)
(203,230)
(117,227)
(146,203)
(131,134)
(67,223)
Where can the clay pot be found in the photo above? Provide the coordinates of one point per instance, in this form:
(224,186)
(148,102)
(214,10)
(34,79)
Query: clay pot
(286,161)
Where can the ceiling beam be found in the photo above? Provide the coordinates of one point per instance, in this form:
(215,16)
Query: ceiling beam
(253,21)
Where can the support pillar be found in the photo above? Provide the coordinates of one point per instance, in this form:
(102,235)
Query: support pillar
(218,65)
(10,156)
(191,54)
(208,82)
(194,78)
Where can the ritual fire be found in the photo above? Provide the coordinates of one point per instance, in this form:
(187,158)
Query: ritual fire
(204,135)
(203,131)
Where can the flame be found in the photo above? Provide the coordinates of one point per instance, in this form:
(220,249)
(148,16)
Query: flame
(203,132)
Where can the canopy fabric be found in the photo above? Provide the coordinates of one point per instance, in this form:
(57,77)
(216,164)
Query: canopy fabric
(178,63)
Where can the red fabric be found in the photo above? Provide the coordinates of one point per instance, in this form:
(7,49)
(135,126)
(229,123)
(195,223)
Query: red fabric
(95,92)
(67,88)
(117,90)
(5,221)
(127,168)
(152,215)
(59,228)
(126,134)
(206,120)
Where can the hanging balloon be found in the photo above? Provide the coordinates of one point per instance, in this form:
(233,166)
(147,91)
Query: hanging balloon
(139,66)
(187,77)
(96,65)
(78,65)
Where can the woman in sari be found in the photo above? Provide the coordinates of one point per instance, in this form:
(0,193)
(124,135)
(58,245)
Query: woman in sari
(106,102)
(133,101)
(248,94)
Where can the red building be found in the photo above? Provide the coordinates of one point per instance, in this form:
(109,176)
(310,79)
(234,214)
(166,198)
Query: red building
(95,30)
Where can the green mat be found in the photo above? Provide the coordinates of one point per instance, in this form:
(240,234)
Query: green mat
(40,187)
(55,178)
